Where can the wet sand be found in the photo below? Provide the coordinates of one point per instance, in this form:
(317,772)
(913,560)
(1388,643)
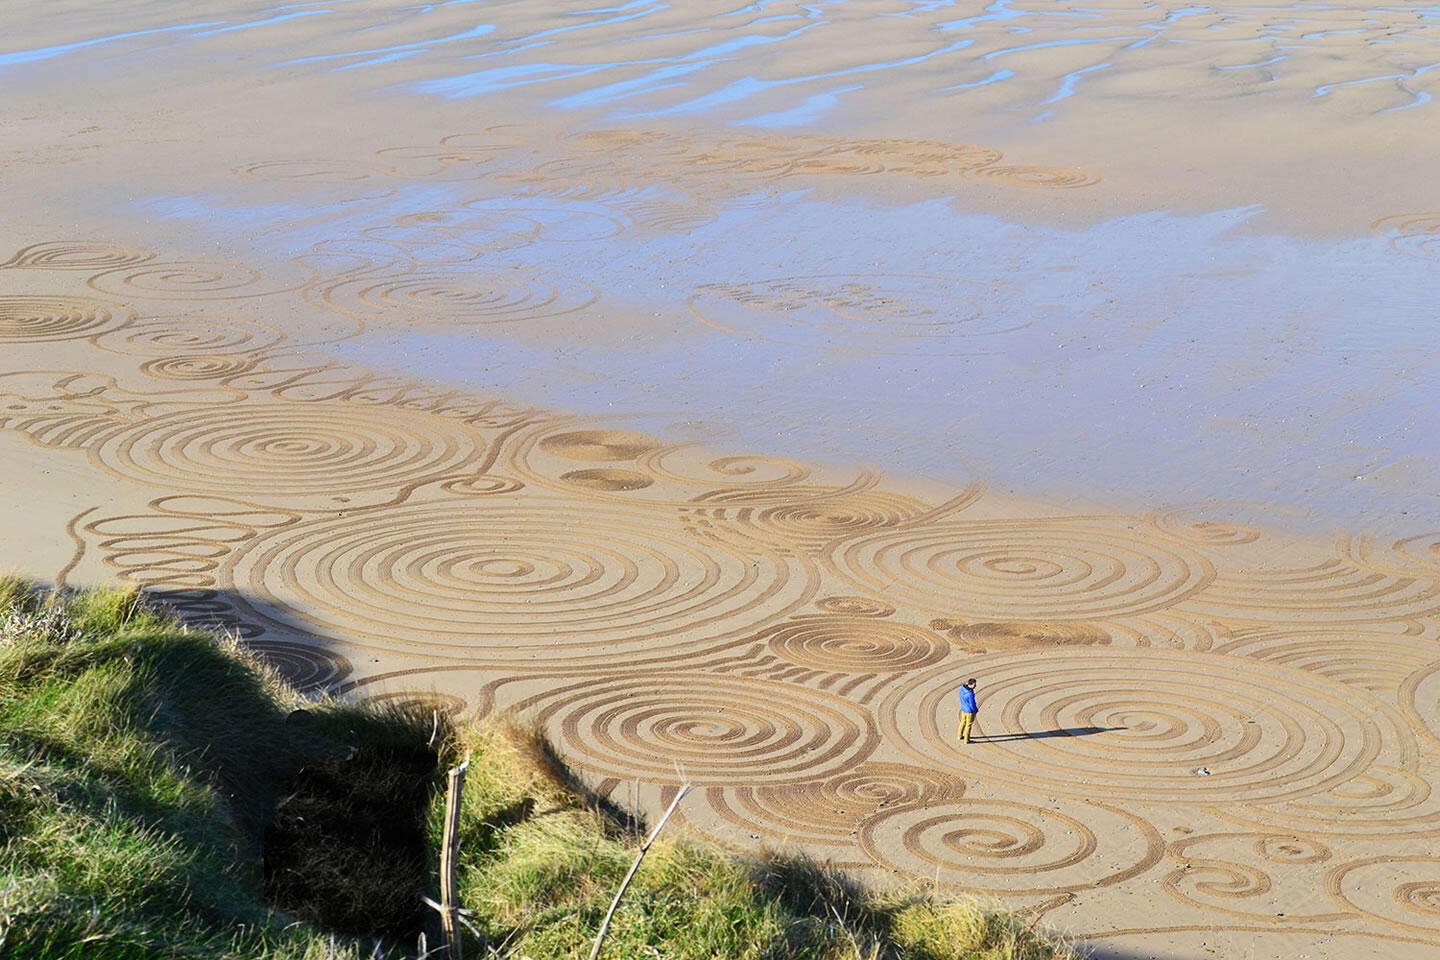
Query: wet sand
(723,388)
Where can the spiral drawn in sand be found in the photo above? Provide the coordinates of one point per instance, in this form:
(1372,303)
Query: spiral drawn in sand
(194,280)
(1384,802)
(189,336)
(481,485)
(1033,176)
(196,367)
(490,578)
(462,297)
(834,642)
(856,606)
(1047,570)
(722,731)
(77,255)
(692,465)
(310,171)
(1401,891)
(306,666)
(1185,524)
(1154,725)
(860,313)
(1414,556)
(280,450)
(1413,234)
(42,319)
(830,812)
(1369,659)
(1003,847)
(1334,591)
(809,517)
(1249,881)
(1020,634)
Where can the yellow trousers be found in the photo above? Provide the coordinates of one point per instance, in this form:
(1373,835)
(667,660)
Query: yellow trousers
(967,720)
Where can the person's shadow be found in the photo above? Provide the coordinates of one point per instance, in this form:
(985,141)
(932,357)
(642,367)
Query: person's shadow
(1040,734)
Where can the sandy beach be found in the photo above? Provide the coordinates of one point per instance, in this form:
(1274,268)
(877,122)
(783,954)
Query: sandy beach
(722,387)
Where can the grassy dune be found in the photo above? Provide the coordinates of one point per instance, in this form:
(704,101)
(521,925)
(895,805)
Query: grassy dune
(164,795)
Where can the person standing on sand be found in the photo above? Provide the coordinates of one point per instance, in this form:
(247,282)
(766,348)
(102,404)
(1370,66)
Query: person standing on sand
(968,709)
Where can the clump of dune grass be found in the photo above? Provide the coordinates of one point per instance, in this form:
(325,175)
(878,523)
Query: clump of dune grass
(141,767)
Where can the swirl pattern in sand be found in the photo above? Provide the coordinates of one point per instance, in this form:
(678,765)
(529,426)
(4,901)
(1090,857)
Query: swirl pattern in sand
(1400,890)
(1333,591)
(443,298)
(854,313)
(489,579)
(77,255)
(306,666)
(1413,234)
(802,516)
(833,642)
(1376,661)
(280,450)
(193,280)
(719,730)
(189,336)
(1048,570)
(830,812)
(1006,847)
(1153,725)
(1383,802)
(28,318)
(1244,874)
(1033,176)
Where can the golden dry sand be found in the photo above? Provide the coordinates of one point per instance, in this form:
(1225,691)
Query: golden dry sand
(1201,733)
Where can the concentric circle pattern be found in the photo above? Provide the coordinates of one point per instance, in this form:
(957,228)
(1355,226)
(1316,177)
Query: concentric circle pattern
(189,336)
(281,450)
(1384,801)
(446,298)
(196,367)
(1033,176)
(854,644)
(42,319)
(489,578)
(1007,570)
(1400,890)
(831,811)
(1158,726)
(1375,661)
(1333,591)
(306,666)
(77,255)
(707,729)
(1004,847)
(197,280)
(804,516)
(856,606)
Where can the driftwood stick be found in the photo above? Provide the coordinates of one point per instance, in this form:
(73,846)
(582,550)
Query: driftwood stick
(449,851)
(634,867)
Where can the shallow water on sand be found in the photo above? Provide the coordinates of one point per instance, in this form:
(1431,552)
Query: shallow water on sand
(1124,303)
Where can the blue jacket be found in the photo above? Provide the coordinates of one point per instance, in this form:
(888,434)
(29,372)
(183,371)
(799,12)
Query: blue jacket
(967,701)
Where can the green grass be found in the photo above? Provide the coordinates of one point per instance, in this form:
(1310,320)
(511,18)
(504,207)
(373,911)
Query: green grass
(165,795)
